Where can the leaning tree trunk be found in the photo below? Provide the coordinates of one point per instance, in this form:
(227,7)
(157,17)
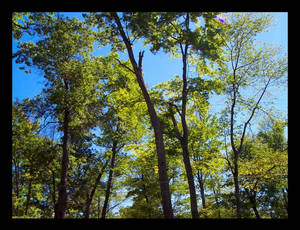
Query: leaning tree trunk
(159,142)
(90,197)
(109,181)
(252,199)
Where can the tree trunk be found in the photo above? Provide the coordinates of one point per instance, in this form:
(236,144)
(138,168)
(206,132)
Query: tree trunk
(252,199)
(235,151)
(145,190)
(255,210)
(201,185)
(17,186)
(217,203)
(54,189)
(109,181)
(184,140)
(159,142)
(237,191)
(90,197)
(190,177)
(61,205)
(28,196)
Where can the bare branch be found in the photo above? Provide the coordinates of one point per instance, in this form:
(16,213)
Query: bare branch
(124,65)
(252,114)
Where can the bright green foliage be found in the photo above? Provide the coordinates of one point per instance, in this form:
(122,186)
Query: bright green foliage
(62,55)
(142,183)
(33,162)
(107,110)
(167,30)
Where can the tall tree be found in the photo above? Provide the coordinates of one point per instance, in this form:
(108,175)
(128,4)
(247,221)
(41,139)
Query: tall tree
(248,66)
(172,32)
(62,55)
(118,30)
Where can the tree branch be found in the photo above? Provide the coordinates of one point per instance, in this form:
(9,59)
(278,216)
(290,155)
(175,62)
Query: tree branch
(177,109)
(252,114)
(124,65)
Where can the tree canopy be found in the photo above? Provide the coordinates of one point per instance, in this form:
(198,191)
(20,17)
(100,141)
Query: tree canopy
(98,143)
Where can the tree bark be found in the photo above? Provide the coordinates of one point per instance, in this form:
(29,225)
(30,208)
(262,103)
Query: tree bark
(109,181)
(61,205)
(159,142)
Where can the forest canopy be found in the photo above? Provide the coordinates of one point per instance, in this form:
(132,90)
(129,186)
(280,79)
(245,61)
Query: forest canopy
(98,142)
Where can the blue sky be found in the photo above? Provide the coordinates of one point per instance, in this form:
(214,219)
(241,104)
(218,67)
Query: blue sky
(157,68)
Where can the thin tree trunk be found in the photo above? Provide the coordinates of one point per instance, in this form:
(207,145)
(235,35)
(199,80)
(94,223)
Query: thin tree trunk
(252,199)
(145,190)
(184,140)
(201,185)
(54,189)
(190,176)
(235,152)
(61,205)
(28,196)
(237,190)
(217,203)
(109,181)
(98,207)
(90,197)
(188,169)
(159,142)
(255,210)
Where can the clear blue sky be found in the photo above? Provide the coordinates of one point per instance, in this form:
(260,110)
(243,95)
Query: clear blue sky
(157,68)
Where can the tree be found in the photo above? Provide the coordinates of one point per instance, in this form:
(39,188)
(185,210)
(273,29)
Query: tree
(171,32)
(61,55)
(97,137)
(142,184)
(33,165)
(248,66)
(116,28)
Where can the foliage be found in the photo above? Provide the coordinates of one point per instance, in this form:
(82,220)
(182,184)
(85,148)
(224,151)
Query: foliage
(109,117)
